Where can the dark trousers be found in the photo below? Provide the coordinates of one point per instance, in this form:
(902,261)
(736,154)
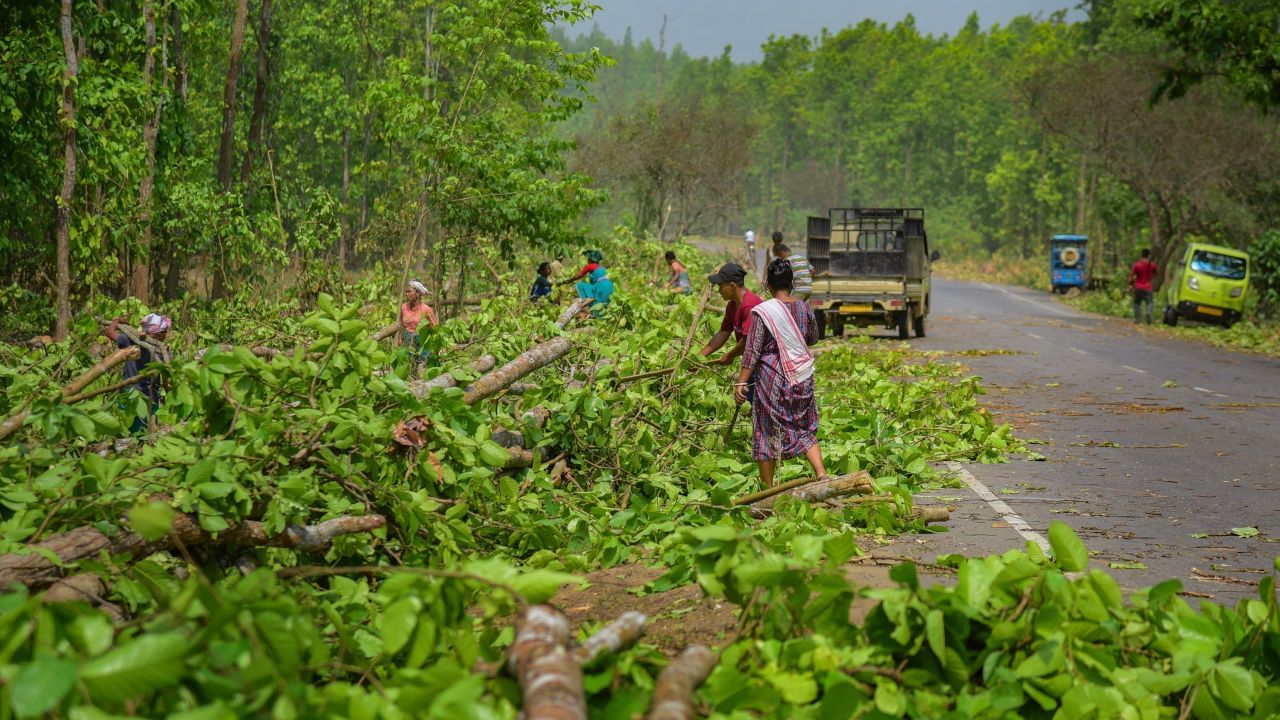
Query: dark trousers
(1140,297)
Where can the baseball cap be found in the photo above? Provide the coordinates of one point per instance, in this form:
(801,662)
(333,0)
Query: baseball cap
(729,272)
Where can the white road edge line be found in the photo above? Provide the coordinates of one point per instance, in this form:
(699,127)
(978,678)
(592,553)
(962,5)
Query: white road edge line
(1038,337)
(1037,303)
(1015,521)
(1203,390)
(1078,350)
(1137,370)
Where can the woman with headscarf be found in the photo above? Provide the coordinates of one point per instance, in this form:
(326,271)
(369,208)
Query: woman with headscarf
(151,348)
(595,260)
(777,378)
(413,314)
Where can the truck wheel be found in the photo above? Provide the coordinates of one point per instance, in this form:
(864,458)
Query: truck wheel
(904,324)
(1170,315)
(821,317)
(918,325)
(837,328)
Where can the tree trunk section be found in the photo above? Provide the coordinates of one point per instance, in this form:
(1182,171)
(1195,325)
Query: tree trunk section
(140,279)
(484,363)
(550,680)
(227,144)
(673,693)
(621,633)
(539,356)
(68,191)
(262,76)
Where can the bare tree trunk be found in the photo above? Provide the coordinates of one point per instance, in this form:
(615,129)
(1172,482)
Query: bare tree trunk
(1082,196)
(345,236)
(262,76)
(68,121)
(179,58)
(140,280)
(226,146)
(662,56)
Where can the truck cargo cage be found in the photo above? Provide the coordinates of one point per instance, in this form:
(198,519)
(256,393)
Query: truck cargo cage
(863,241)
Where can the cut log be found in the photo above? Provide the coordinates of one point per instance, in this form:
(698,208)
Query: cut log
(507,438)
(386,332)
(539,356)
(572,311)
(88,541)
(550,680)
(673,693)
(84,587)
(858,483)
(518,458)
(536,417)
(484,363)
(619,634)
(931,513)
(770,492)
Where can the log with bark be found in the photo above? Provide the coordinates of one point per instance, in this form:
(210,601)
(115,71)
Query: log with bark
(386,331)
(88,541)
(932,513)
(550,680)
(261,351)
(481,364)
(858,483)
(617,635)
(537,357)
(673,693)
(572,311)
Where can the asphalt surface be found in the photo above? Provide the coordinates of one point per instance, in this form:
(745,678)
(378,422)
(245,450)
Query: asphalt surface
(1155,449)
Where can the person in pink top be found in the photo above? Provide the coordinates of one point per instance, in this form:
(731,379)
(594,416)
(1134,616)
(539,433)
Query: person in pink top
(1141,278)
(414,314)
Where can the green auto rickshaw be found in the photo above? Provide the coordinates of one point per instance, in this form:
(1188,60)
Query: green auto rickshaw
(1209,285)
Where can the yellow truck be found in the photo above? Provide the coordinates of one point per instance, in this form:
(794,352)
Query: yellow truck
(871,268)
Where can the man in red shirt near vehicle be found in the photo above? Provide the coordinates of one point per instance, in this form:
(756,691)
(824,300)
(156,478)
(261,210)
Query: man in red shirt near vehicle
(730,280)
(1140,279)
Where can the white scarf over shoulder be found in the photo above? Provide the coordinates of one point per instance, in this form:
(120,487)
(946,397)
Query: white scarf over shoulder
(793,351)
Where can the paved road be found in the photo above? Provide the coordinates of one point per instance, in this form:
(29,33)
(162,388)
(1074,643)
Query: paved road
(1149,441)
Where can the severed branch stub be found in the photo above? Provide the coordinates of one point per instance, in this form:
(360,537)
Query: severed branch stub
(550,680)
(484,363)
(617,635)
(857,483)
(673,694)
(572,311)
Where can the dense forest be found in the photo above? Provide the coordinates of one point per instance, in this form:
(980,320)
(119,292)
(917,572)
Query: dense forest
(1005,133)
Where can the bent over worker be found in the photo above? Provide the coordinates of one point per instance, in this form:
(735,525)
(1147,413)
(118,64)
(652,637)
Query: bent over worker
(731,280)
(151,348)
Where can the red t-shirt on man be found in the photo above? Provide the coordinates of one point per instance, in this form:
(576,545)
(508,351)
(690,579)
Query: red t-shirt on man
(738,317)
(1142,273)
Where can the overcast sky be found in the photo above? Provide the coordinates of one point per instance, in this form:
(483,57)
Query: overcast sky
(705,27)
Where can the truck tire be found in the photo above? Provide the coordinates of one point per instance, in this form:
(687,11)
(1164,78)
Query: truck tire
(904,324)
(1170,316)
(917,324)
(821,318)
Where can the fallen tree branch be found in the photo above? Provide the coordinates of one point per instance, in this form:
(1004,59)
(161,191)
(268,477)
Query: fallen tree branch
(386,332)
(74,388)
(537,357)
(621,633)
(88,541)
(572,311)
(108,388)
(858,483)
(550,680)
(770,492)
(673,693)
(484,363)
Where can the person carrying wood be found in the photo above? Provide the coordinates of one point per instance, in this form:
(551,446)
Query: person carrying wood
(151,348)
(413,314)
(777,378)
(731,280)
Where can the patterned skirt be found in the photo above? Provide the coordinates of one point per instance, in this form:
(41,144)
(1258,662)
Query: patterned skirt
(784,418)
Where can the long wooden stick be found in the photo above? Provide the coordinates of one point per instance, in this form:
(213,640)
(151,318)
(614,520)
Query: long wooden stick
(621,633)
(107,388)
(71,390)
(769,492)
(550,680)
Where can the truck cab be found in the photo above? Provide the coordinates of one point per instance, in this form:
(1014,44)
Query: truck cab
(1067,262)
(871,267)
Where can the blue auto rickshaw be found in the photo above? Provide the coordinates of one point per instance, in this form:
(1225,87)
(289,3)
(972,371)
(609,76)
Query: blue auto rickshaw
(1067,262)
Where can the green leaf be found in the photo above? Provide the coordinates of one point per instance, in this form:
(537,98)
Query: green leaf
(795,688)
(1232,684)
(539,585)
(152,521)
(1070,553)
(146,664)
(936,634)
(1245,532)
(1127,565)
(225,363)
(398,622)
(40,685)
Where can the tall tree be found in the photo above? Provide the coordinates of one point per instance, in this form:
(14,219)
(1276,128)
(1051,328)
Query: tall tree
(227,144)
(140,280)
(262,76)
(68,120)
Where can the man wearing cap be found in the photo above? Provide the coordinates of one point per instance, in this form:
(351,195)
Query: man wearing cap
(155,328)
(730,280)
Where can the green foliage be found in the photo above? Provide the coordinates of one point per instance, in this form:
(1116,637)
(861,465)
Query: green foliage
(1264,276)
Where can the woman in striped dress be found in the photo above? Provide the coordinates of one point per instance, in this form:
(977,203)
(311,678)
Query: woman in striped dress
(777,378)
